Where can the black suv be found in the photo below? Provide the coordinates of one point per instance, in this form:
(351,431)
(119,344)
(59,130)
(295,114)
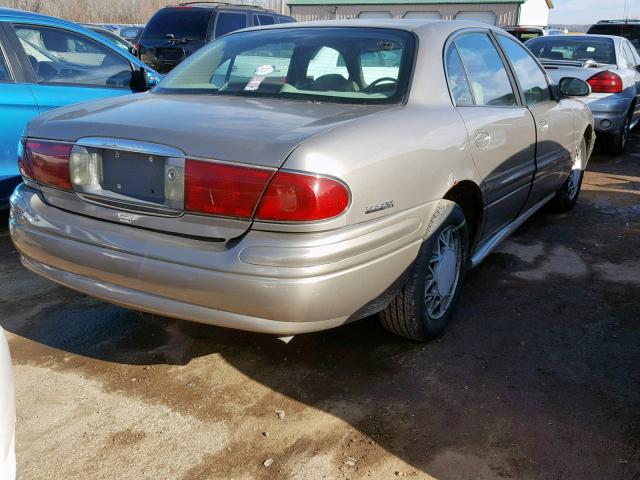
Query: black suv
(629,29)
(175,32)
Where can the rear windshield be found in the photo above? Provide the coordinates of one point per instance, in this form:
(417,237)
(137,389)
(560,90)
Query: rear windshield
(354,65)
(630,32)
(578,49)
(523,34)
(189,23)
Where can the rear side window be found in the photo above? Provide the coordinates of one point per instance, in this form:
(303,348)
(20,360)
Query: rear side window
(285,19)
(532,79)
(189,23)
(229,22)
(487,74)
(457,78)
(62,56)
(4,69)
(265,20)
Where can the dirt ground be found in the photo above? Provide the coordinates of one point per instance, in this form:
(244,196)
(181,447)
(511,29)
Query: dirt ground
(538,376)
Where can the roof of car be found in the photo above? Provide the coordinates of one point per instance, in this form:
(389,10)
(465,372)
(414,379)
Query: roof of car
(219,5)
(410,25)
(615,38)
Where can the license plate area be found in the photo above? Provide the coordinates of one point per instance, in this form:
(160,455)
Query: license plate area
(134,176)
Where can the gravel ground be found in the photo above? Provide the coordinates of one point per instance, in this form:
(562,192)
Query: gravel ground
(538,376)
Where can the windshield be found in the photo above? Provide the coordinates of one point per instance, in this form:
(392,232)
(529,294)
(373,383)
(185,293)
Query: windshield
(630,32)
(355,65)
(578,49)
(190,23)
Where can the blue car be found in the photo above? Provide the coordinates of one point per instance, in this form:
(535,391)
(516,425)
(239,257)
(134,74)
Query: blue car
(48,63)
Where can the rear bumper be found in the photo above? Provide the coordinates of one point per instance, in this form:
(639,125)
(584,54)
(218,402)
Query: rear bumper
(609,111)
(268,282)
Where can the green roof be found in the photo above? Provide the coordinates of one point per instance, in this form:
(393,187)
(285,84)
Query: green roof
(396,2)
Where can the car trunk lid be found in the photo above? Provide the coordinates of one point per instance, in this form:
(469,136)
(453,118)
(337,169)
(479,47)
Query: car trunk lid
(128,160)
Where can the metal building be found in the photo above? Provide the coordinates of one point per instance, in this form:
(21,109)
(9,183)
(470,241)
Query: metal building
(495,12)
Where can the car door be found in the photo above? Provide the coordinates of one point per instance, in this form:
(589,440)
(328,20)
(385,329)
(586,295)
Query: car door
(500,129)
(555,129)
(17,106)
(633,64)
(65,67)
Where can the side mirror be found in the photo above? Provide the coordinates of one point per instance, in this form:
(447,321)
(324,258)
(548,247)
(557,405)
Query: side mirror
(574,87)
(144,79)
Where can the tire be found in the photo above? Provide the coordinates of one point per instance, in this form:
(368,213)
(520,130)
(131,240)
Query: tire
(567,196)
(414,313)
(615,144)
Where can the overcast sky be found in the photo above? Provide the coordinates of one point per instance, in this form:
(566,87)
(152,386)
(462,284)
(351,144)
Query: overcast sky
(589,11)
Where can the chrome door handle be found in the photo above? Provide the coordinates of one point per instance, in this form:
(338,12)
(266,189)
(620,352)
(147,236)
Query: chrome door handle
(543,126)
(482,138)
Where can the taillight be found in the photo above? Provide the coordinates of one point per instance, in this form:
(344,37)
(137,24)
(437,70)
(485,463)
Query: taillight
(222,189)
(238,191)
(47,162)
(605,82)
(296,197)
(24,164)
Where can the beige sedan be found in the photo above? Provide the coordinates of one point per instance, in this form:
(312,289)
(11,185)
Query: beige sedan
(293,178)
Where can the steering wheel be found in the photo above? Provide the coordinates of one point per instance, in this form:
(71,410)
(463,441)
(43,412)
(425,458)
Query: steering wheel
(378,81)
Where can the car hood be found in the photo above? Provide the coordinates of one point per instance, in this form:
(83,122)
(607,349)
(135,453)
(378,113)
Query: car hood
(256,131)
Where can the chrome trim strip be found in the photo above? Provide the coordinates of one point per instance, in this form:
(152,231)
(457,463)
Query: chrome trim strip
(127,145)
(484,249)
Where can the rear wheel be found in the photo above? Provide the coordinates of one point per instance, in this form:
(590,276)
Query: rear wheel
(615,143)
(567,196)
(424,306)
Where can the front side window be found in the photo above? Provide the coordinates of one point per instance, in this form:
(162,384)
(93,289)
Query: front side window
(62,56)
(574,49)
(487,74)
(355,65)
(228,22)
(457,78)
(532,79)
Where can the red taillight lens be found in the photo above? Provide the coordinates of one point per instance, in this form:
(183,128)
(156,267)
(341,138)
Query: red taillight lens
(605,82)
(24,163)
(221,189)
(48,162)
(295,197)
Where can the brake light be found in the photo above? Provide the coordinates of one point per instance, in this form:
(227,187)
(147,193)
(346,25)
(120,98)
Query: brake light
(47,162)
(222,189)
(24,164)
(605,82)
(296,197)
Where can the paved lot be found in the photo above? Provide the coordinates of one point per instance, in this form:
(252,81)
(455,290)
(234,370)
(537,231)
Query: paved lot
(538,376)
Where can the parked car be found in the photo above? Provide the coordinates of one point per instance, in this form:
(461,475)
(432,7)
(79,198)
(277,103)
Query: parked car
(7,414)
(629,29)
(118,40)
(527,32)
(611,66)
(279,189)
(47,63)
(175,32)
(131,33)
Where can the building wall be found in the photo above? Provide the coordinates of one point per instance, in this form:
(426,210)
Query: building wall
(534,12)
(506,14)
